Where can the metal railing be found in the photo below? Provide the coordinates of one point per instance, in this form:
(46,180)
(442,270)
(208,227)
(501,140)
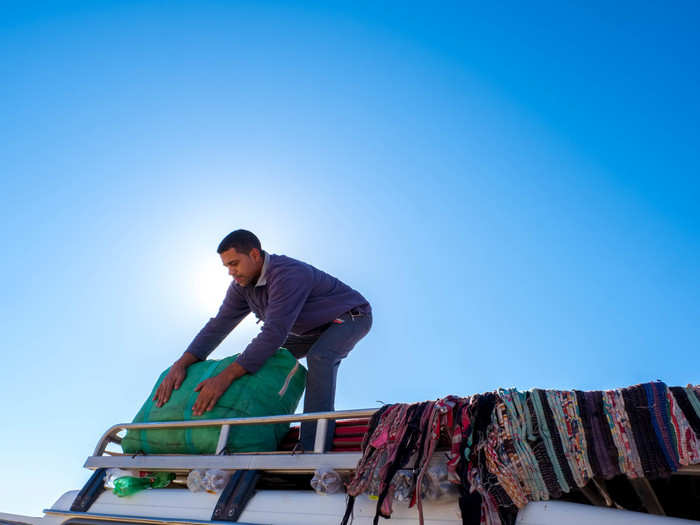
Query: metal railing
(322,418)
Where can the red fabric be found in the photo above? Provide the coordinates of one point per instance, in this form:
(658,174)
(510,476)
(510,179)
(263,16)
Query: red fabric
(358,430)
(352,422)
(347,437)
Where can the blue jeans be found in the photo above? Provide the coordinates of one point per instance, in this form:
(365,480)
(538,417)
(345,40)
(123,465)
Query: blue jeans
(323,355)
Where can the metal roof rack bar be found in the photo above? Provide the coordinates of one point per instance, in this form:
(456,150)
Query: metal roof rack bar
(287,462)
(110,436)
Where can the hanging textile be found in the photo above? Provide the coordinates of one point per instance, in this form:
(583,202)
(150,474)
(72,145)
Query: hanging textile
(506,448)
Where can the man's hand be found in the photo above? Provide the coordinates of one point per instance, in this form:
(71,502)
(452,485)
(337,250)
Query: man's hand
(175,377)
(210,390)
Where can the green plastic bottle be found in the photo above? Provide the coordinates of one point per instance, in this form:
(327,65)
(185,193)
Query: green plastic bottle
(128,485)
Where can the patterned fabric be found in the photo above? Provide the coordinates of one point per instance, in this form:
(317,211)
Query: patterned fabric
(538,403)
(518,430)
(460,435)
(571,432)
(681,396)
(687,441)
(539,449)
(501,461)
(602,451)
(627,454)
(641,424)
(660,418)
(504,449)
(693,393)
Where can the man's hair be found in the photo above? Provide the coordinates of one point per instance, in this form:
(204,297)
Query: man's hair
(242,241)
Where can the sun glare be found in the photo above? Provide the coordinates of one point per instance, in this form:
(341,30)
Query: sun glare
(210,281)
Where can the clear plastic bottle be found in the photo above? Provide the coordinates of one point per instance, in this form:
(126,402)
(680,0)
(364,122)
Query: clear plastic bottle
(215,480)
(212,480)
(404,483)
(326,481)
(436,486)
(195,481)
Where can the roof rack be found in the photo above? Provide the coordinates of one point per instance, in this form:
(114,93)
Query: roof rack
(279,462)
(270,461)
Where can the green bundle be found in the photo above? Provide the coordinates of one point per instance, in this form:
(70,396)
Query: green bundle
(274,389)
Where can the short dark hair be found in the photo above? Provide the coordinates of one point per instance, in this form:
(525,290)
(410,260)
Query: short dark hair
(242,241)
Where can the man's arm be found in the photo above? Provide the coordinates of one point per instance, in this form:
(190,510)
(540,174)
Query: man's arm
(286,297)
(232,311)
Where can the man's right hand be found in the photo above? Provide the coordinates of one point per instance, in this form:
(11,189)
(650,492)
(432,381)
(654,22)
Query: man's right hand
(174,379)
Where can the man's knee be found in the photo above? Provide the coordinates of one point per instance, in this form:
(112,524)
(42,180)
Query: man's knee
(320,361)
(326,356)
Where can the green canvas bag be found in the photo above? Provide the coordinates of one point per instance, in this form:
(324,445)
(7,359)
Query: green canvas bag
(274,389)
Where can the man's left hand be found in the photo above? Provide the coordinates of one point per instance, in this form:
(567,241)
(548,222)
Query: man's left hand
(210,390)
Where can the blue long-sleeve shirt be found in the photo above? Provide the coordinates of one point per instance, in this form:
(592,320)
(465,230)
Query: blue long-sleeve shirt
(290,296)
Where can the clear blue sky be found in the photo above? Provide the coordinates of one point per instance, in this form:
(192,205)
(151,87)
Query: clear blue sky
(514,189)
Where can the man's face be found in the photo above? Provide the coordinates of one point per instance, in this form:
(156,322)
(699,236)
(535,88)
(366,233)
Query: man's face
(244,268)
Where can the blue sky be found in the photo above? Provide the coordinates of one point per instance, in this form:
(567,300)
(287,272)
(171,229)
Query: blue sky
(514,189)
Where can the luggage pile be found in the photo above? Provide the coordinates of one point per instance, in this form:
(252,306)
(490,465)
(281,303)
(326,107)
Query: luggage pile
(507,448)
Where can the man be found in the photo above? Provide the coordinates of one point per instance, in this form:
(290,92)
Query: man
(305,310)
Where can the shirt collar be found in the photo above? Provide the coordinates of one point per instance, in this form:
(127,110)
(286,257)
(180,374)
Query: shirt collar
(262,280)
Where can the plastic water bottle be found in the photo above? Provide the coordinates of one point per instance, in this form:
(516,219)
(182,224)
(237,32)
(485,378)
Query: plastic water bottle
(326,481)
(436,486)
(127,485)
(212,480)
(195,481)
(215,480)
(404,483)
